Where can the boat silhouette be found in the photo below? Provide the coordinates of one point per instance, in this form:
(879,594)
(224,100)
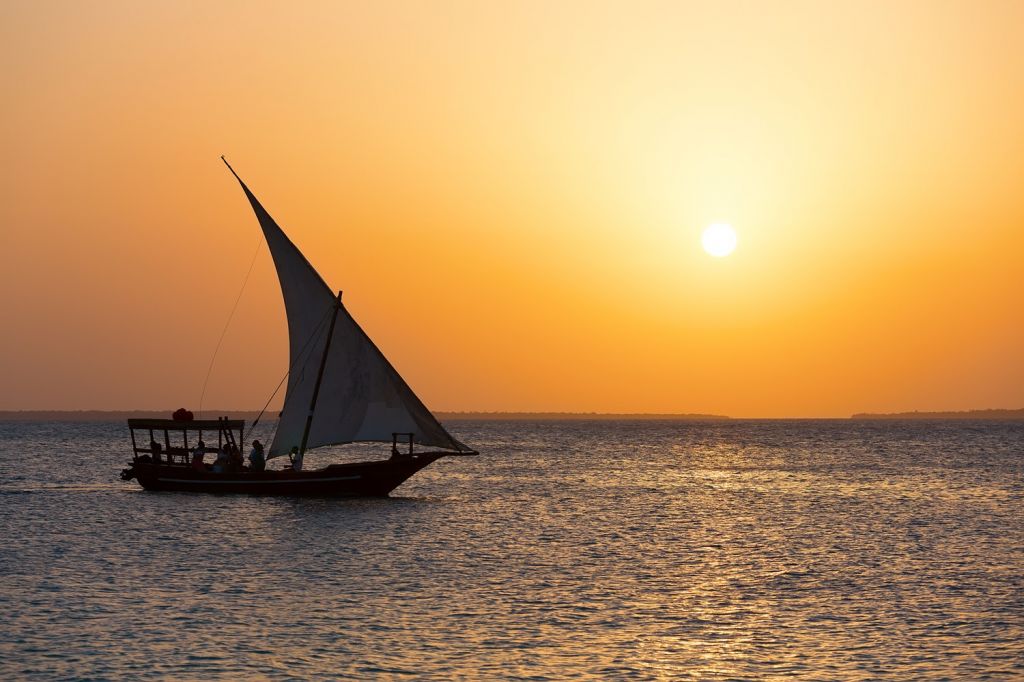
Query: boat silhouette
(341,389)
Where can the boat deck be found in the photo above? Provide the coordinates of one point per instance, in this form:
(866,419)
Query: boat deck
(354,479)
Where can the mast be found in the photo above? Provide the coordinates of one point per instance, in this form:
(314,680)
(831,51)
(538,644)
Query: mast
(319,376)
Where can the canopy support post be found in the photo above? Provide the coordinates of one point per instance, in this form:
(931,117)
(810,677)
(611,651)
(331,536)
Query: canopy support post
(319,376)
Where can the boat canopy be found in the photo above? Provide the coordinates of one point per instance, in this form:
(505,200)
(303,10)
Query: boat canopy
(174,443)
(341,388)
(192,425)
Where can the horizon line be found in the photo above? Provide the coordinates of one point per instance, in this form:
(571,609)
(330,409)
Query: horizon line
(510,415)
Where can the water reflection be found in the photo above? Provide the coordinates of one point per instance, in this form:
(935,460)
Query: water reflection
(602,550)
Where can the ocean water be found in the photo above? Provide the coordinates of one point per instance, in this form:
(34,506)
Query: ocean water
(568,550)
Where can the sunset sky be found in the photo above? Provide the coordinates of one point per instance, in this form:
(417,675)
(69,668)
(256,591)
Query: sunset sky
(511,196)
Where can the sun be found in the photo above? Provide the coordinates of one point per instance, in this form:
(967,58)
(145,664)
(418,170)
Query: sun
(719,239)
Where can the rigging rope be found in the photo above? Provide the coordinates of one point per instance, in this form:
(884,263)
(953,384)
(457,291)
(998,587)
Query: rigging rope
(209,370)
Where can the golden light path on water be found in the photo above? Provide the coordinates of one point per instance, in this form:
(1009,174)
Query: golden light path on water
(590,550)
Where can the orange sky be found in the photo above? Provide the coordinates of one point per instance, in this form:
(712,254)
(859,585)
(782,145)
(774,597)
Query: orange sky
(511,196)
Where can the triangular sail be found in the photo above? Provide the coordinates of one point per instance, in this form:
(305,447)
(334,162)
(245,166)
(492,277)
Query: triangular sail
(362,397)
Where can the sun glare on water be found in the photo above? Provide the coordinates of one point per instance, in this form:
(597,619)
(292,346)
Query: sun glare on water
(719,239)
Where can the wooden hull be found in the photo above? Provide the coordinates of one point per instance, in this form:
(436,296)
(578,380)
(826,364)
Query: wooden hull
(360,479)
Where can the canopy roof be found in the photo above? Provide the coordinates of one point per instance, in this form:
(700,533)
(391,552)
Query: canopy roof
(194,425)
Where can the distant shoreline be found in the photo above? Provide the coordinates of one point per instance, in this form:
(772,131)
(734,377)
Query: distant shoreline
(969,414)
(250,415)
(115,415)
(569,416)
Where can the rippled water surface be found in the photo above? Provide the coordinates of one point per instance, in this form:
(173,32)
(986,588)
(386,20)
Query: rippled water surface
(644,550)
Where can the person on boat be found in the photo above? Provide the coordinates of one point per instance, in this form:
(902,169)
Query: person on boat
(237,463)
(223,461)
(296,457)
(198,452)
(257,460)
(156,449)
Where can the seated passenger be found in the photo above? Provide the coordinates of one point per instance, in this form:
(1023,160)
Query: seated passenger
(257,460)
(223,461)
(296,458)
(237,463)
(156,449)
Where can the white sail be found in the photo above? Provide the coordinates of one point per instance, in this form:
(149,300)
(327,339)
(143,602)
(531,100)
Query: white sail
(361,397)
